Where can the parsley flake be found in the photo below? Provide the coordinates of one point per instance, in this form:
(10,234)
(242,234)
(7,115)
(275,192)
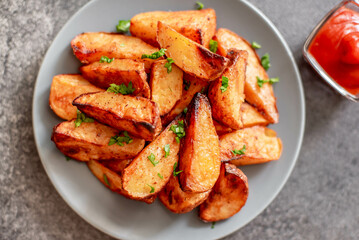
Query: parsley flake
(213,45)
(260,81)
(152,188)
(152,158)
(224,84)
(121,88)
(81,117)
(167,150)
(187,84)
(123,26)
(256,45)
(213,223)
(159,175)
(119,140)
(265,61)
(68,158)
(168,65)
(106,180)
(185,110)
(199,5)
(240,151)
(178,130)
(175,174)
(155,55)
(106,59)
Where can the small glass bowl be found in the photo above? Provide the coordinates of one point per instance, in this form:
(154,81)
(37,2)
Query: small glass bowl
(352,4)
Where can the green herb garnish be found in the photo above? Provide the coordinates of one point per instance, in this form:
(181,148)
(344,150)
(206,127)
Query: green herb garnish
(175,174)
(168,65)
(185,110)
(224,84)
(202,91)
(68,158)
(123,26)
(178,130)
(167,150)
(213,223)
(119,140)
(121,88)
(159,175)
(199,5)
(265,61)
(240,151)
(106,180)
(152,158)
(155,55)
(260,81)
(187,84)
(213,45)
(106,59)
(152,188)
(81,117)
(256,45)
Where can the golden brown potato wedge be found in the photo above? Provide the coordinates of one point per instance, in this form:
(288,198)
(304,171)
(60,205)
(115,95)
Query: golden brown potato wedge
(199,158)
(116,165)
(261,97)
(190,88)
(111,179)
(199,26)
(226,101)
(221,129)
(119,71)
(64,89)
(190,56)
(91,46)
(166,88)
(90,141)
(137,115)
(150,171)
(251,117)
(178,201)
(228,196)
(261,145)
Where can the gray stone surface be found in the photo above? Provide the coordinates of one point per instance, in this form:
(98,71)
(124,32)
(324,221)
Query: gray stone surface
(320,200)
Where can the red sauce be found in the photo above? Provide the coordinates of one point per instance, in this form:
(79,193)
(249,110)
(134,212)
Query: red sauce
(336,48)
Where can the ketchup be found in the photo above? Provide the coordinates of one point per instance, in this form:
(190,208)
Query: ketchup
(336,48)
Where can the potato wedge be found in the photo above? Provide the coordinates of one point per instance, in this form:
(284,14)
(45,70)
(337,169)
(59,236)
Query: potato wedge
(226,103)
(263,98)
(91,46)
(119,71)
(262,145)
(111,179)
(251,117)
(137,115)
(190,88)
(221,129)
(90,141)
(166,87)
(64,89)
(116,165)
(228,196)
(178,201)
(199,26)
(150,171)
(199,158)
(190,56)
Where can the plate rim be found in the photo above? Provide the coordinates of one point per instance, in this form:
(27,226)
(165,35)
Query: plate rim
(301,127)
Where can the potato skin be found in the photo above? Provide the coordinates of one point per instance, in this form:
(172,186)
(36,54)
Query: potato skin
(114,179)
(91,46)
(262,146)
(141,173)
(178,201)
(166,87)
(263,98)
(137,115)
(199,156)
(119,71)
(199,26)
(64,89)
(116,165)
(190,56)
(228,196)
(226,105)
(90,141)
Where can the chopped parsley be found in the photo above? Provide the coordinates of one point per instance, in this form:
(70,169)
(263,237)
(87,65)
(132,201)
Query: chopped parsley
(152,158)
(106,59)
(213,223)
(202,91)
(187,84)
(152,188)
(178,130)
(155,55)
(224,84)
(168,65)
(81,117)
(106,180)
(167,150)
(119,140)
(121,88)
(175,174)
(159,175)
(213,45)
(256,45)
(260,81)
(199,5)
(240,151)
(123,26)
(68,158)
(185,110)
(265,61)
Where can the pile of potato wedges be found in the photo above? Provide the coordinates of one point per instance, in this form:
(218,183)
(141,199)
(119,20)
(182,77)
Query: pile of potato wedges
(159,114)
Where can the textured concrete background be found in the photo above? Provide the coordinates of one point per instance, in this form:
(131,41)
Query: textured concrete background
(320,200)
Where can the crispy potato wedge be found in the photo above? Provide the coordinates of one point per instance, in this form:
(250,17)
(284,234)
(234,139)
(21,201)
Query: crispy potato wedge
(178,201)
(64,89)
(262,145)
(228,196)
(251,117)
(199,26)
(90,141)
(199,158)
(137,115)
(116,165)
(91,46)
(166,88)
(263,98)
(194,85)
(119,71)
(226,104)
(145,177)
(111,179)
(190,56)
(221,129)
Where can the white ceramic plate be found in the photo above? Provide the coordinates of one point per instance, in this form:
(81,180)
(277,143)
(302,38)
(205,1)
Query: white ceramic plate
(127,219)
